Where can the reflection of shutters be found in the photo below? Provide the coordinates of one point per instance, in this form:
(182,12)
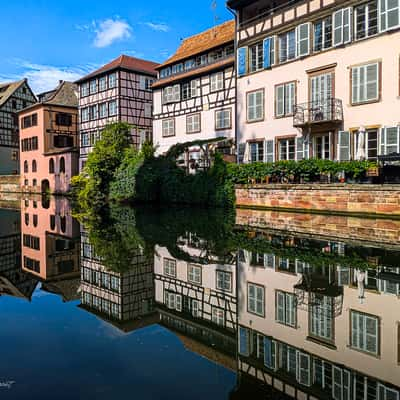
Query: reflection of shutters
(269,151)
(244,341)
(303,40)
(340,384)
(242,61)
(303,368)
(179,302)
(343,147)
(280,307)
(269,260)
(269,353)
(290,309)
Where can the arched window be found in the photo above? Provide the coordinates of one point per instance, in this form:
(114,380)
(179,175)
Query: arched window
(51,166)
(26,168)
(63,224)
(34,166)
(62,165)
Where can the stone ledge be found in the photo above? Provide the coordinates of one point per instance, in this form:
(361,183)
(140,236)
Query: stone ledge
(319,186)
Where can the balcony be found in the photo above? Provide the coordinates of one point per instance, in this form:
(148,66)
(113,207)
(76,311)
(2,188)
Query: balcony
(318,112)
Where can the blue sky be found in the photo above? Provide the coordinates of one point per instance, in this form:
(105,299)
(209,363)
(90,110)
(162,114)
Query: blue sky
(48,40)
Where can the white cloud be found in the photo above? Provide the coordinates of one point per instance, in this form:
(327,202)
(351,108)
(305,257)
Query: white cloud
(111,30)
(46,77)
(160,27)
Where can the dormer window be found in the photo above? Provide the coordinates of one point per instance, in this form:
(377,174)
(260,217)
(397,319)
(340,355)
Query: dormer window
(189,64)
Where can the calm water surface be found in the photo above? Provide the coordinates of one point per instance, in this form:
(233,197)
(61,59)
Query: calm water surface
(190,304)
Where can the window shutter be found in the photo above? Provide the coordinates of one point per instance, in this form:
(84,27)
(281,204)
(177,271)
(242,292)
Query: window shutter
(338,27)
(267,52)
(244,341)
(290,310)
(242,61)
(142,82)
(392,140)
(280,307)
(176,93)
(241,150)
(347,13)
(389,14)
(269,151)
(269,353)
(372,77)
(289,98)
(280,100)
(178,302)
(343,147)
(382,141)
(299,148)
(303,368)
(303,40)
(355,85)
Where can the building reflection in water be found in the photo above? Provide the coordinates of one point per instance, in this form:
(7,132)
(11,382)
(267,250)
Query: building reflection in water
(50,245)
(13,282)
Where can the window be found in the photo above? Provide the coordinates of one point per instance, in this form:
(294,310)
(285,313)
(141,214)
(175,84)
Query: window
(173,301)
(285,98)
(223,119)
(148,110)
(224,281)
(340,383)
(189,64)
(193,123)
(170,267)
(389,14)
(112,108)
(370,143)
(217,81)
(194,274)
(322,148)
(256,151)
(171,94)
(93,86)
(386,393)
(51,166)
(186,91)
(194,88)
(287,149)
(32,265)
(287,46)
(390,138)
(286,308)
(168,127)
(34,182)
(85,114)
(103,110)
(115,283)
(29,144)
(63,119)
(93,112)
(112,80)
(255,106)
(218,316)
(365,83)
(322,318)
(26,167)
(256,57)
(31,242)
(85,89)
(102,83)
(255,299)
(323,34)
(366,19)
(29,121)
(364,332)
(303,40)
(342,26)
(62,165)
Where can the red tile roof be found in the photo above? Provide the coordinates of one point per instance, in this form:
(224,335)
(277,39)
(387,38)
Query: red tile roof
(125,62)
(203,41)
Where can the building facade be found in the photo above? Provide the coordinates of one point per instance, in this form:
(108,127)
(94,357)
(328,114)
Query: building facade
(194,96)
(317,79)
(49,141)
(14,96)
(117,92)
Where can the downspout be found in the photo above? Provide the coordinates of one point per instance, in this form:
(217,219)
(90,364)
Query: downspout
(235,15)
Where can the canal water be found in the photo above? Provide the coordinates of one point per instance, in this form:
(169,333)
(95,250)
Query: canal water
(151,303)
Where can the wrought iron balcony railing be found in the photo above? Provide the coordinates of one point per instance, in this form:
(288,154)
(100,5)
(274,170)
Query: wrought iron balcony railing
(316,112)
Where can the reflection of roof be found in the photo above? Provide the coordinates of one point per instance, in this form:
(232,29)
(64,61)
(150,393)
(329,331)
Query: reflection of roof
(124,62)
(23,288)
(209,39)
(67,289)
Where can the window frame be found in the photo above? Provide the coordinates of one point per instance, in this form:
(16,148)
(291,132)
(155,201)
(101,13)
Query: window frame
(378,81)
(254,93)
(171,125)
(219,81)
(285,85)
(193,124)
(225,273)
(254,312)
(364,333)
(229,110)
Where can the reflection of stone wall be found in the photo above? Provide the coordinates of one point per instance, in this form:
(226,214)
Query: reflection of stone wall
(383,231)
(9,184)
(371,199)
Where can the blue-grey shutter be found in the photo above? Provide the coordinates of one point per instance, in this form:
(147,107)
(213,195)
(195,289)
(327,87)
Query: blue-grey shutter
(269,353)
(242,61)
(244,341)
(267,52)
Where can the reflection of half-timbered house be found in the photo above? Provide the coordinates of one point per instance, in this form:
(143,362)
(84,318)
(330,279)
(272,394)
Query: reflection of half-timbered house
(194,96)
(123,299)
(317,331)
(14,96)
(120,91)
(197,298)
(13,282)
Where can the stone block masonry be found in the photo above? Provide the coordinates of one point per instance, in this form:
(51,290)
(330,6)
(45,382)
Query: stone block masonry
(382,200)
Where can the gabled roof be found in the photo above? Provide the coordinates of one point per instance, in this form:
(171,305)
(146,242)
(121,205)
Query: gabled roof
(207,40)
(65,94)
(8,89)
(124,62)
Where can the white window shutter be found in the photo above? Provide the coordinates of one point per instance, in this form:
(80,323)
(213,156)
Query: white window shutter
(280,100)
(355,84)
(303,39)
(178,302)
(372,81)
(176,92)
(343,146)
(269,151)
(347,25)
(338,27)
(299,148)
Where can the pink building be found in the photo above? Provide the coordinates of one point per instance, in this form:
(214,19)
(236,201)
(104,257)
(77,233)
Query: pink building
(120,91)
(313,74)
(49,142)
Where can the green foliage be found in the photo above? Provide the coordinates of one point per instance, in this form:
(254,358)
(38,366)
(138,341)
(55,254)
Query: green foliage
(297,171)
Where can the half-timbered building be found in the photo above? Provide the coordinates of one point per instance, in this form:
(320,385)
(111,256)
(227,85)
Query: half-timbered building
(120,91)
(14,96)
(319,330)
(49,141)
(317,79)
(194,95)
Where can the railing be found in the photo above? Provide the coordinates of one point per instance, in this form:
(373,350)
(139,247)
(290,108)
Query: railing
(314,112)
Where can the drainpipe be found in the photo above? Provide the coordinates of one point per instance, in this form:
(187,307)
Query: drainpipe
(235,15)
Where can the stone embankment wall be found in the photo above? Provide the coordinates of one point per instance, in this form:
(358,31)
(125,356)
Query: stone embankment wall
(356,199)
(9,191)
